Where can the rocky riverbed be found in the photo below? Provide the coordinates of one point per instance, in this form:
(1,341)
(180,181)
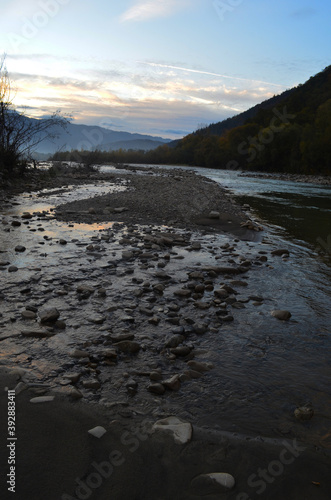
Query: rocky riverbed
(139,303)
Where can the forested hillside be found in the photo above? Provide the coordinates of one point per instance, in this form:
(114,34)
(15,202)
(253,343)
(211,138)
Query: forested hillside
(288,133)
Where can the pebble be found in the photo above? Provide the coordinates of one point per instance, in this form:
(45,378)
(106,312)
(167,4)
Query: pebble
(49,315)
(180,430)
(42,399)
(156,389)
(12,269)
(172,383)
(212,483)
(28,315)
(20,248)
(304,413)
(282,315)
(97,432)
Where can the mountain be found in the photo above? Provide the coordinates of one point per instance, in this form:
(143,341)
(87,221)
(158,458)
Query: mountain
(287,133)
(88,137)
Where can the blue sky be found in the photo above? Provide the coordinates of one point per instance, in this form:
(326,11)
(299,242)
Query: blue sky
(161,67)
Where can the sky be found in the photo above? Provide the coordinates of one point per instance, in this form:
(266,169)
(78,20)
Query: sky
(159,67)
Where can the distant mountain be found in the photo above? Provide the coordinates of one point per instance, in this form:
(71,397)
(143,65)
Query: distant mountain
(290,133)
(89,137)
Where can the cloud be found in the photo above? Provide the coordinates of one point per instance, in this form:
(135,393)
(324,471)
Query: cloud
(304,13)
(144,10)
(209,73)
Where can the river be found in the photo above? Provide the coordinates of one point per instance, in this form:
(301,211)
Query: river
(264,368)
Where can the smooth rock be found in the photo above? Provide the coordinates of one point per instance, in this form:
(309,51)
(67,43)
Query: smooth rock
(49,315)
(304,413)
(282,315)
(77,353)
(213,483)
(42,399)
(198,366)
(28,315)
(97,432)
(180,430)
(20,248)
(156,389)
(172,383)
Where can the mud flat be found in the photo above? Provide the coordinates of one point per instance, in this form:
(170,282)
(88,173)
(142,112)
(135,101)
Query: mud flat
(124,310)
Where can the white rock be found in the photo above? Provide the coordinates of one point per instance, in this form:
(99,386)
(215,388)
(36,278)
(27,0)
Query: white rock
(180,430)
(42,399)
(97,432)
(223,478)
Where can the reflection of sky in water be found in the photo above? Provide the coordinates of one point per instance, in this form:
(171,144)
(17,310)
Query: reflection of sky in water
(47,199)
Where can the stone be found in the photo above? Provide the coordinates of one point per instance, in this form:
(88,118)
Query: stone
(26,215)
(77,353)
(181,351)
(49,315)
(214,215)
(97,432)
(156,389)
(37,333)
(212,483)
(172,383)
(63,242)
(85,289)
(75,393)
(183,292)
(73,377)
(29,315)
(280,252)
(127,255)
(282,315)
(109,353)
(128,346)
(91,384)
(196,245)
(12,269)
(16,223)
(304,413)
(20,248)
(155,376)
(180,430)
(228,318)
(97,319)
(199,366)
(175,340)
(154,320)
(200,328)
(42,399)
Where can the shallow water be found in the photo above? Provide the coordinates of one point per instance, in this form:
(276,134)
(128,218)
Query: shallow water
(264,368)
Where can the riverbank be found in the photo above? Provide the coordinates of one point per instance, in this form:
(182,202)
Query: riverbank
(126,322)
(322,180)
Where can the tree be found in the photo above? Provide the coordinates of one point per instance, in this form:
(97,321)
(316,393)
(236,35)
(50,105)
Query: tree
(19,135)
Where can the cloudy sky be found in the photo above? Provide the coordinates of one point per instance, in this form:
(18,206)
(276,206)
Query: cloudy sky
(161,67)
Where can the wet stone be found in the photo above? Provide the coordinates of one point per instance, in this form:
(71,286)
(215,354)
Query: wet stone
(156,389)
(282,315)
(49,315)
